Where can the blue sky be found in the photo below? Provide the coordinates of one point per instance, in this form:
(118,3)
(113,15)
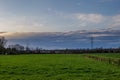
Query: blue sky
(58,15)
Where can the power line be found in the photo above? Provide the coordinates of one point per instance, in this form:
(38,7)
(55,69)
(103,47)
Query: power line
(92,42)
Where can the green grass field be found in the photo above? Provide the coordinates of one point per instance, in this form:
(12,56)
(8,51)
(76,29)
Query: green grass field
(55,67)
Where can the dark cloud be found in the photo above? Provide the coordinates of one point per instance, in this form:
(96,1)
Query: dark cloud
(72,39)
(2,32)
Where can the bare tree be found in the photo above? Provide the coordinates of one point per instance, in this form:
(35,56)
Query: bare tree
(17,47)
(2,42)
(2,45)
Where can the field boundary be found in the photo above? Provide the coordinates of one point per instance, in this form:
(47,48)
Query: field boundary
(104,59)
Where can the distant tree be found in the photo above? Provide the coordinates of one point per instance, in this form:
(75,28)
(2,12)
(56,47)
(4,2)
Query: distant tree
(2,44)
(17,47)
(2,41)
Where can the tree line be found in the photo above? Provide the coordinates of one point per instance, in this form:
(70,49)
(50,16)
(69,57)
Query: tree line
(19,49)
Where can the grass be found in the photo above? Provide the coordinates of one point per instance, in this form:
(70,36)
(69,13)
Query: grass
(110,55)
(55,67)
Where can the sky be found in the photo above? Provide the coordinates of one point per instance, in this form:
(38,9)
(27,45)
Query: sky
(62,40)
(58,15)
(56,24)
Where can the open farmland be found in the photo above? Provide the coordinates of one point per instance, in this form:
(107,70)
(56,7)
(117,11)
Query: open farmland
(55,67)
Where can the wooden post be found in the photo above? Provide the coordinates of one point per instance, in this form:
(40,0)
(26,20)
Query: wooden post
(109,61)
(118,62)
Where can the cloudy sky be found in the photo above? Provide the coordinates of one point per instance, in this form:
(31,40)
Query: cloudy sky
(58,15)
(60,24)
(60,40)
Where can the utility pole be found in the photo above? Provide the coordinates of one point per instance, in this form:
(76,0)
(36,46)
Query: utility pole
(92,42)
(27,46)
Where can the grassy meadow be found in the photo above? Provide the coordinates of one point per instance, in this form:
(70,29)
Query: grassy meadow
(55,67)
